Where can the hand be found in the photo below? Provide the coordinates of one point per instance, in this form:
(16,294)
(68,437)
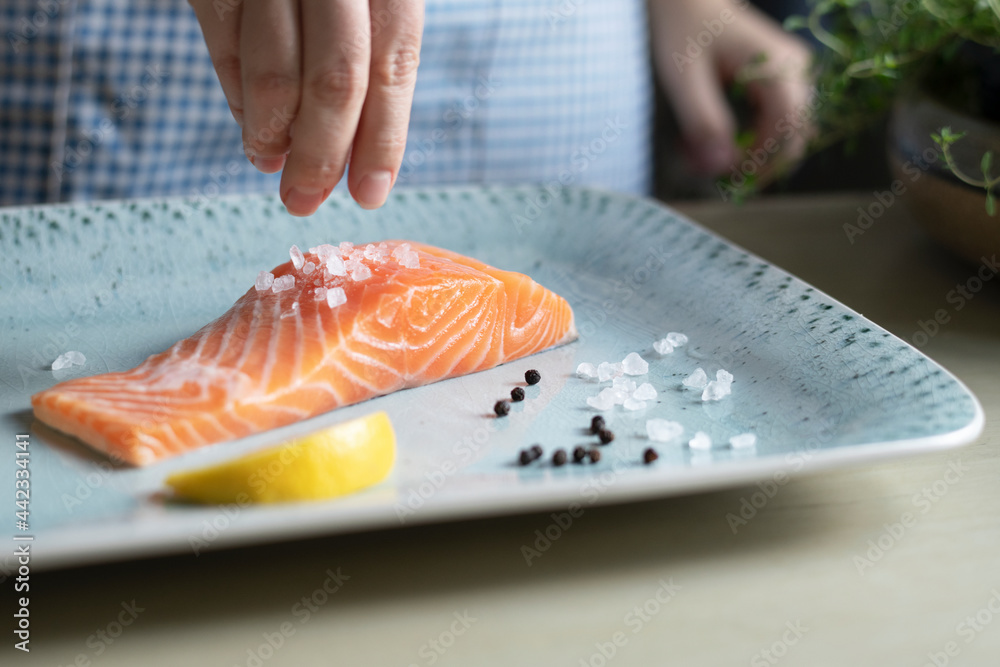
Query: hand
(702,45)
(316,83)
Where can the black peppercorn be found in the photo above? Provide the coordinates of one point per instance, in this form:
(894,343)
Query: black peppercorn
(559,457)
(517,394)
(594,454)
(525,457)
(605,436)
(579,454)
(597,424)
(532,376)
(536,451)
(501,408)
(649,456)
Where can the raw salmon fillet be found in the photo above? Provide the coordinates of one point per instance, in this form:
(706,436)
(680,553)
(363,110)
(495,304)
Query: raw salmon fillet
(335,326)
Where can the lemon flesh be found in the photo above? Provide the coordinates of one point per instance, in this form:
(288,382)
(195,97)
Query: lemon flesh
(329,463)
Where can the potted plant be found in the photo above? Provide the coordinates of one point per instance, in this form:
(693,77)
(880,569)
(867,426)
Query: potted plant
(934,66)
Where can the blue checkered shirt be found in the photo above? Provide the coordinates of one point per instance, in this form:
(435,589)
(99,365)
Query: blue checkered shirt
(104,99)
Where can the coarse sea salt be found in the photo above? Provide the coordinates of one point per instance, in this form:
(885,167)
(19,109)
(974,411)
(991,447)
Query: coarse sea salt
(324,251)
(600,402)
(633,364)
(586,370)
(282,283)
(644,392)
(724,376)
(624,383)
(359,271)
(700,441)
(297,258)
(345,247)
(264,281)
(335,266)
(663,430)
(716,390)
(676,339)
(336,297)
(697,380)
(606,371)
(67,359)
(743,441)
(308,268)
(663,347)
(319,294)
(632,403)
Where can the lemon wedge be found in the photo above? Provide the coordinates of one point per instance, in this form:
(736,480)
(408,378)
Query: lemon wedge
(329,463)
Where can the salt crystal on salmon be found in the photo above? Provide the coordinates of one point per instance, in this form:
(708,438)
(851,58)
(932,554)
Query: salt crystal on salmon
(408,323)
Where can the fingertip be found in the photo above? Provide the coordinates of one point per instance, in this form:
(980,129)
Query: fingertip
(711,157)
(303,201)
(373,189)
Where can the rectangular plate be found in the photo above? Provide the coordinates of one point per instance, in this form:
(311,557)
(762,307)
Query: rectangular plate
(817,383)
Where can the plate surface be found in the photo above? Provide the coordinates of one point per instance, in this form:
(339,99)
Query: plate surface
(816,382)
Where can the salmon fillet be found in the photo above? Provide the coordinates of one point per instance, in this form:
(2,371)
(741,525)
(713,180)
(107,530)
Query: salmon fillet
(334,326)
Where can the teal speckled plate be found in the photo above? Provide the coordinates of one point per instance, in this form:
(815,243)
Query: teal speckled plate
(817,383)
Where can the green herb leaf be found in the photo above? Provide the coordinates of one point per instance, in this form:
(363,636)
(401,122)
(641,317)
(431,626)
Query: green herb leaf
(986,163)
(991,205)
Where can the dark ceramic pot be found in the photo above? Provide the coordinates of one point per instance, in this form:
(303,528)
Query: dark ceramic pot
(951,211)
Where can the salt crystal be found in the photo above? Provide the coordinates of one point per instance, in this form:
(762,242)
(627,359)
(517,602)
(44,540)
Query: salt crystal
(297,258)
(632,403)
(360,271)
(67,359)
(600,402)
(615,395)
(697,380)
(282,283)
(586,370)
(633,364)
(335,266)
(606,371)
(356,255)
(345,247)
(320,294)
(324,251)
(716,390)
(625,384)
(743,441)
(700,441)
(676,339)
(308,268)
(410,260)
(663,346)
(644,392)
(336,297)
(663,430)
(264,281)
(724,376)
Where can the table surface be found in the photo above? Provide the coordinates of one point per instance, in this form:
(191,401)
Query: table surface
(890,564)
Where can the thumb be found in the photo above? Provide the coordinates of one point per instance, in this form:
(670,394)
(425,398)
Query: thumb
(706,121)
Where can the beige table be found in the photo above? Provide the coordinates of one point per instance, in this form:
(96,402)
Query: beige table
(788,582)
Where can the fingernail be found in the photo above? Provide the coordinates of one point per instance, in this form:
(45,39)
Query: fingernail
(374,188)
(303,201)
(268,165)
